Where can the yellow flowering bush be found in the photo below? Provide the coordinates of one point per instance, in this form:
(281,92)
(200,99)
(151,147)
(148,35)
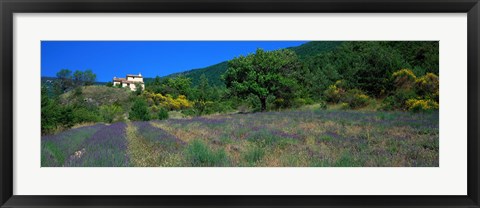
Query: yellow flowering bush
(404,79)
(428,85)
(413,94)
(356,99)
(167,101)
(419,105)
(334,93)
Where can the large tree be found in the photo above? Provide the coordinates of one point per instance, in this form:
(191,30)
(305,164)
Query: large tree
(264,74)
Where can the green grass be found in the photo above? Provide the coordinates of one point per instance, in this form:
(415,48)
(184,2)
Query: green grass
(201,155)
(53,150)
(253,155)
(326,138)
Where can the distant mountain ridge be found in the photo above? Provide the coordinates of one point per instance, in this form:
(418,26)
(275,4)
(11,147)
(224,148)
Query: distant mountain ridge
(214,72)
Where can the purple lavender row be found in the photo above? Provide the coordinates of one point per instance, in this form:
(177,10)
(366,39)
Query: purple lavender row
(106,148)
(56,149)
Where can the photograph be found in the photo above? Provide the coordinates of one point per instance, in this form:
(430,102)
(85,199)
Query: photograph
(238,103)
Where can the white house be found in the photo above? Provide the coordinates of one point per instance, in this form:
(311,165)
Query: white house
(131,81)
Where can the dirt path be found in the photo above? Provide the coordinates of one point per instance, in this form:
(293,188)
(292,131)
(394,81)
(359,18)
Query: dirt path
(142,153)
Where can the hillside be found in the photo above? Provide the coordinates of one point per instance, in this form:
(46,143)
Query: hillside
(214,72)
(97,96)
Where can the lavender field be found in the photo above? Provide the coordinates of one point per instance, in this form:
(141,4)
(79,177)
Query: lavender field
(297,138)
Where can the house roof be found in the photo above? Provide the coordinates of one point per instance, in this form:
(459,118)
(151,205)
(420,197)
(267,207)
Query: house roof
(134,75)
(122,80)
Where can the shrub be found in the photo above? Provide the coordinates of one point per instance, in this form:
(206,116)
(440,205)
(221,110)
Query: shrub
(428,86)
(333,94)
(279,103)
(309,101)
(397,100)
(110,113)
(162,114)
(139,111)
(82,115)
(243,108)
(418,92)
(404,79)
(322,105)
(209,107)
(341,84)
(415,105)
(298,102)
(167,101)
(356,99)
(344,106)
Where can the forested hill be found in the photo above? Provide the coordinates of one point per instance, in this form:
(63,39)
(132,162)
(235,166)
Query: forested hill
(214,72)
(315,47)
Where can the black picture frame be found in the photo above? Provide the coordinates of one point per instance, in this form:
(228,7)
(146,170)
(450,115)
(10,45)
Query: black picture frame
(9,7)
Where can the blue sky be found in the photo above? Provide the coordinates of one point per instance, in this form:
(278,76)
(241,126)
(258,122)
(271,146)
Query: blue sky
(151,58)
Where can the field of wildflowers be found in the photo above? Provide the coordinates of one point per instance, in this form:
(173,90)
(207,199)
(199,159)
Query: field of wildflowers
(295,138)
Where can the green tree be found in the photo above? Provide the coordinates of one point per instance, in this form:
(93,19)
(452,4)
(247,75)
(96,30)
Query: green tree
(78,78)
(318,74)
(202,95)
(64,80)
(422,55)
(178,85)
(263,74)
(89,77)
(67,81)
(203,88)
(50,114)
(369,66)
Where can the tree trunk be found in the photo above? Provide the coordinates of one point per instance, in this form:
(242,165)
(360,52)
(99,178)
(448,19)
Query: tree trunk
(263,101)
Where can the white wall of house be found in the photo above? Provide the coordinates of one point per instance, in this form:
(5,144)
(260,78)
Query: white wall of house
(135,79)
(133,87)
